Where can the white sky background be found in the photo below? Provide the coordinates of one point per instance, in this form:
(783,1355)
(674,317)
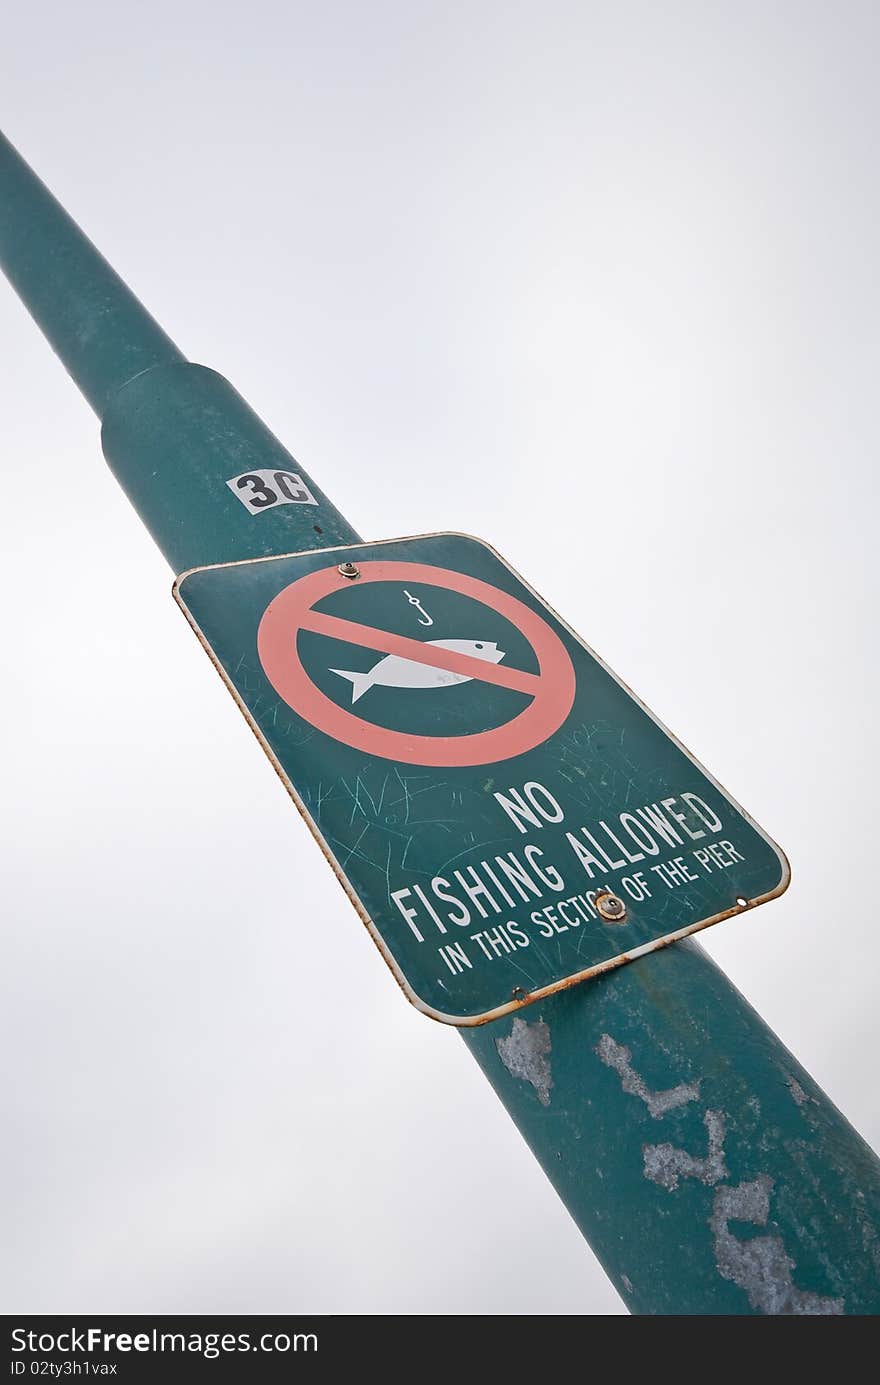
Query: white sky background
(597,282)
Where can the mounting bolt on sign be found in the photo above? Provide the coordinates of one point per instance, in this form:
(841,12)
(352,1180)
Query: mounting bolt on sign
(532,823)
(610,906)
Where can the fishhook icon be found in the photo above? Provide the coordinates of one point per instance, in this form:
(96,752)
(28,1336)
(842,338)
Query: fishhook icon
(424,618)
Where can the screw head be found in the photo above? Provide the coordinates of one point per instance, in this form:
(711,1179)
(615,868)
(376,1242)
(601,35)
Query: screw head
(348,570)
(610,906)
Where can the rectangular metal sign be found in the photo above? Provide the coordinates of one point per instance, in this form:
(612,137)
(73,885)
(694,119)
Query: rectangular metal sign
(504,814)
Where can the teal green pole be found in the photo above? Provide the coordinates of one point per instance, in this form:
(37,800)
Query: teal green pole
(172,432)
(707,1170)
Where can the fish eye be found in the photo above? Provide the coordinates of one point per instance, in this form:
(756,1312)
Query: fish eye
(477,645)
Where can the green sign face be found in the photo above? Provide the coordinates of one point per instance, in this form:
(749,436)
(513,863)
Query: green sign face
(506,817)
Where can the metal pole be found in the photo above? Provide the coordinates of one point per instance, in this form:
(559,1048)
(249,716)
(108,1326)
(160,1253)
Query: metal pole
(707,1170)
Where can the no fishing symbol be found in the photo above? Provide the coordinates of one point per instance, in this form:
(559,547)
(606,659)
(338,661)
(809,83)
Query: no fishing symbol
(411,663)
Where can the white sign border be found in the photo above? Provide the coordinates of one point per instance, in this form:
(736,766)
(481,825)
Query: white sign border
(471,1021)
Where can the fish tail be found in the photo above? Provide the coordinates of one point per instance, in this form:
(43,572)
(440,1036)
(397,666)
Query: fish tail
(360,682)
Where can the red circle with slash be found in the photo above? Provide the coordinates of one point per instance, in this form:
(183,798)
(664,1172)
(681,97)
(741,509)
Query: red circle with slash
(551,689)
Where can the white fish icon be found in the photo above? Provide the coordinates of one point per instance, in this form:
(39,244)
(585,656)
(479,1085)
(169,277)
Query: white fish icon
(396,672)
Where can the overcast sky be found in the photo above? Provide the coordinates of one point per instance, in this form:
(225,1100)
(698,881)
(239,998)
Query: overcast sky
(597,282)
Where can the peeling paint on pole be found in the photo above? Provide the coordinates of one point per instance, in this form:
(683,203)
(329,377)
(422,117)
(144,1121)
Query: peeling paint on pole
(666,1164)
(618,1057)
(760,1266)
(526,1054)
(750,1141)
